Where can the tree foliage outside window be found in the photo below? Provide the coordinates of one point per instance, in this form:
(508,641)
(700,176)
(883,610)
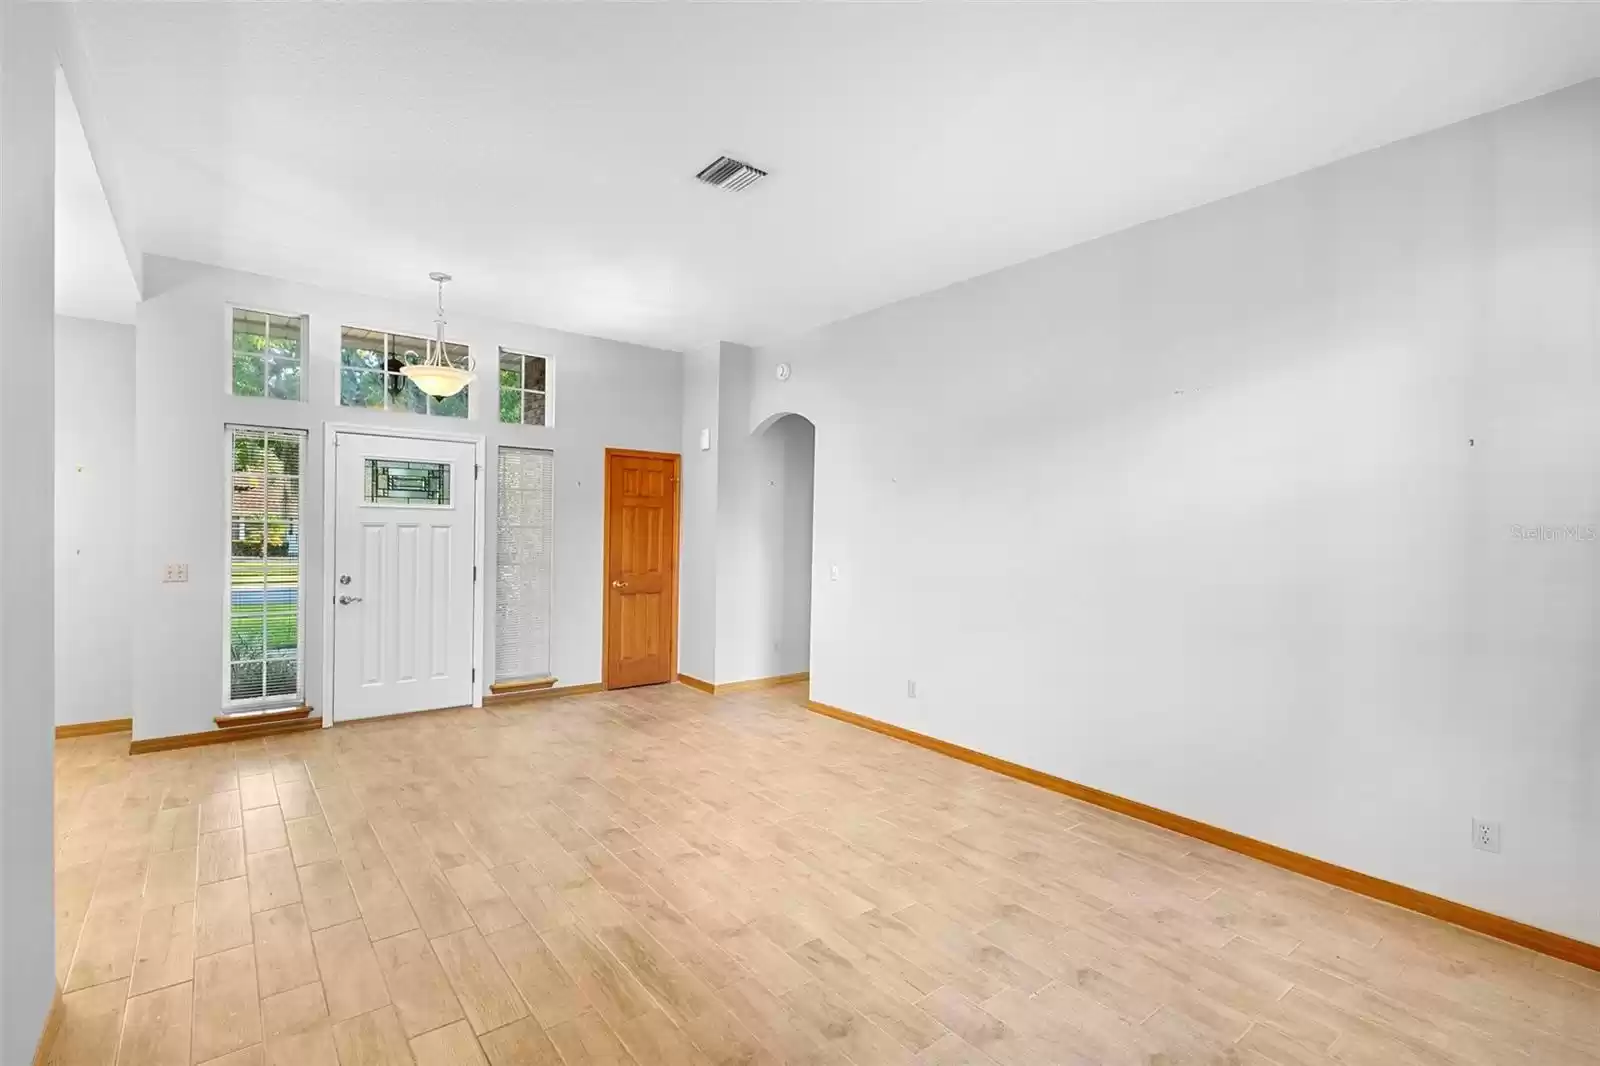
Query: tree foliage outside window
(267,354)
(524,389)
(369,373)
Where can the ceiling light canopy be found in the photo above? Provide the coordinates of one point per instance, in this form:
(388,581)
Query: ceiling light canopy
(436,375)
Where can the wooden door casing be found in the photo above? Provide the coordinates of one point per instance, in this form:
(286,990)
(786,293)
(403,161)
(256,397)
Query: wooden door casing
(641,568)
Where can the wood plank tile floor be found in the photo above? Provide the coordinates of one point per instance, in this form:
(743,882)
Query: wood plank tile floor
(662,876)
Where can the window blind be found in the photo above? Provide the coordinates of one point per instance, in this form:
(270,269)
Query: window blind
(264,618)
(524,532)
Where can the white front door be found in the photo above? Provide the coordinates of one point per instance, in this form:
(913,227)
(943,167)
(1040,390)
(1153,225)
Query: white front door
(404,552)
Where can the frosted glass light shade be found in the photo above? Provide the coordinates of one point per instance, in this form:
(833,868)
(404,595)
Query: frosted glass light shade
(436,380)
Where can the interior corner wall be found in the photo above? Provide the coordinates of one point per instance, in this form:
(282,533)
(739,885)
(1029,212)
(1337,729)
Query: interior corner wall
(94,479)
(27,443)
(1279,513)
(602,394)
(762,609)
(697,556)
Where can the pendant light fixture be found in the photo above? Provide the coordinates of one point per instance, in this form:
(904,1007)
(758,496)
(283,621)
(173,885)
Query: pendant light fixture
(436,375)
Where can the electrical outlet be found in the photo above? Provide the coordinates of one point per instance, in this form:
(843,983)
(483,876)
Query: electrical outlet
(911,690)
(1486,835)
(176,572)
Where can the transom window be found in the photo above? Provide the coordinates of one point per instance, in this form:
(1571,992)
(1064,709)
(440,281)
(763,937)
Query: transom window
(369,373)
(267,354)
(524,389)
(264,619)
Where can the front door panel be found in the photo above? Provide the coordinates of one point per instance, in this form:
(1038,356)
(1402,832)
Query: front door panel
(403,597)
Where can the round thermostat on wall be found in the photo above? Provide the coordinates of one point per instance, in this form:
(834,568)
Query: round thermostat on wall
(783,371)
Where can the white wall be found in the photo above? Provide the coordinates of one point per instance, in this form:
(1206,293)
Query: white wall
(92,276)
(604,393)
(27,443)
(1217,513)
(94,482)
(697,500)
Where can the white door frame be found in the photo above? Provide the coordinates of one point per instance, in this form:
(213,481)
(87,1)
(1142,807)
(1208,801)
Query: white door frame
(330,504)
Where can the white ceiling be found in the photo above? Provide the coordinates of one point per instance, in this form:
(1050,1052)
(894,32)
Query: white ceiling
(544,153)
(93,279)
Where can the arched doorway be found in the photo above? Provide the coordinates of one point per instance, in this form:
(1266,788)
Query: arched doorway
(792,449)
(764,521)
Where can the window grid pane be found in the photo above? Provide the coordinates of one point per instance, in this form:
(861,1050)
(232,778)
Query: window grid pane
(369,374)
(523,388)
(266,354)
(264,652)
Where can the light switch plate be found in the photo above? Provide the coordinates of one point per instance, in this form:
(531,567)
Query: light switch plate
(175,573)
(705,440)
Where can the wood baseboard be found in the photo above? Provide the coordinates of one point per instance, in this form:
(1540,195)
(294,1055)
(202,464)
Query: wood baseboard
(94,729)
(241,719)
(534,684)
(694,682)
(1509,930)
(743,686)
(764,682)
(52,1026)
(502,699)
(223,736)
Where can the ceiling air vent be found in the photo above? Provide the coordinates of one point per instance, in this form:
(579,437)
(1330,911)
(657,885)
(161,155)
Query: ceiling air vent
(731,174)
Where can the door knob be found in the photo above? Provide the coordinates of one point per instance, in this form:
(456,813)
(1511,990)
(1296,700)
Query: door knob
(619,584)
(347,600)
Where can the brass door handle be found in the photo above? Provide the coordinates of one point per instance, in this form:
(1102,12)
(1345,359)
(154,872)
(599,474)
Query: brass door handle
(619,584)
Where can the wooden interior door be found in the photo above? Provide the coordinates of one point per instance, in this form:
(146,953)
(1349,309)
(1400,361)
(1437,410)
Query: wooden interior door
(641,568)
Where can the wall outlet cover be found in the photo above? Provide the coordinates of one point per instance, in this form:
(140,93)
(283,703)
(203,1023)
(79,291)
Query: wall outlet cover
(1486,835)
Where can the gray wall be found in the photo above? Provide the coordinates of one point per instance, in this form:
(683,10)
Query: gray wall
(603,393)
(745,603)
(763,534)
(94,499)
(27,443)
(1221,513)
(697,557)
